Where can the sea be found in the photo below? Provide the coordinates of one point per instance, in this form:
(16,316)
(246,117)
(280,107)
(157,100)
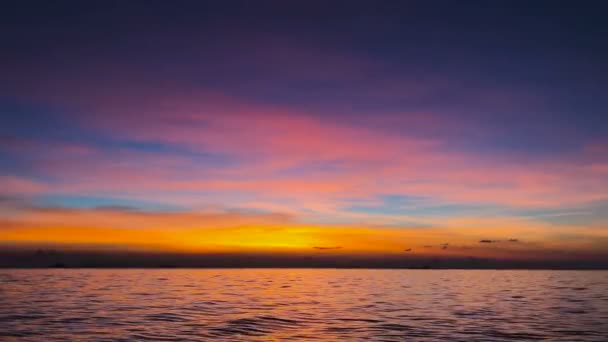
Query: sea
(302,305)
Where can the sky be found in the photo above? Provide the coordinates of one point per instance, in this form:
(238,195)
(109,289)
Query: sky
(467,129)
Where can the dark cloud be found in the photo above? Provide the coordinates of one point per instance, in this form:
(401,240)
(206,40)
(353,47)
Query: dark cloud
(9,200)
(497,241)
(408,250)
(119,208)
(327,247)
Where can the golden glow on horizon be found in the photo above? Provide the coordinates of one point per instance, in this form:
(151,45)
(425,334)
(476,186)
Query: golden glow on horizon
(220,233)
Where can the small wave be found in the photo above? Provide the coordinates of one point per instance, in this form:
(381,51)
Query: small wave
(254,326)
(166,317)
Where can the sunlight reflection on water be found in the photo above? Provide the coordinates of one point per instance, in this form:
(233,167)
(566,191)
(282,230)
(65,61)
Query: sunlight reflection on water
(302,304)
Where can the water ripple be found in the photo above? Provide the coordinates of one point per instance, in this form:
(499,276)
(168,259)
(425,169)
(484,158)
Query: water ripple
(299,305)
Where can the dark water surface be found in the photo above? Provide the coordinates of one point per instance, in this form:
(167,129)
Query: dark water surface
(302,304)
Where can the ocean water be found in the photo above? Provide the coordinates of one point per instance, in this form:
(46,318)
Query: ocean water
(302,304)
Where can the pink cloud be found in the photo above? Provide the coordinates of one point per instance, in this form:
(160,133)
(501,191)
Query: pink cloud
(16,185)
(278,152)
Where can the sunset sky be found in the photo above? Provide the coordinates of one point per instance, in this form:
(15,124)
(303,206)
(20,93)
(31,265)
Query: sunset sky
(389,128)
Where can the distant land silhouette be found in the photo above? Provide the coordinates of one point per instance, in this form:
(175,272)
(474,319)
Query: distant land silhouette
(54,258)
